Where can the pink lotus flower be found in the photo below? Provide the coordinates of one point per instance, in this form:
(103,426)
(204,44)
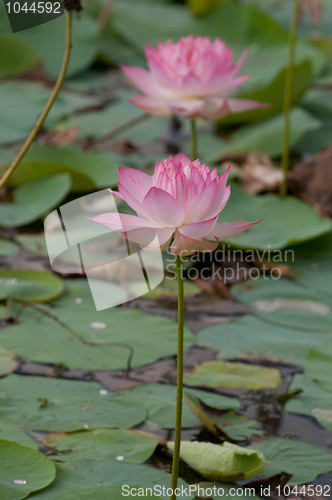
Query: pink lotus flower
(179,205)
(193,78)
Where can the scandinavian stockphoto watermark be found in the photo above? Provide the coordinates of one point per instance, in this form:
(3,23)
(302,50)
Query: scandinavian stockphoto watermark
(26,14)
(230,264)
(119,270)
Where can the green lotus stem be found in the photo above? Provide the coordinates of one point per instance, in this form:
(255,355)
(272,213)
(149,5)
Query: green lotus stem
(48,106)
(179,383)
(288,98)
(193,140)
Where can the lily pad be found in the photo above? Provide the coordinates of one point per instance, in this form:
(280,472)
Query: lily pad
(319,248)
(90,339)
(314,141)
(286,303)
(95,124)
(233,375)
(16,56)
(85,44)
(266,135)
(225,462)
(29,286)
(32,97)
(88,171)
(229,427)
(238,427)
(250,338)
(104,444)
(34,199)
(318,365)
(313,401)
(159,401)
(314,273)
(87,474)
(102,493)
(311,397)
(45,404)
(286,221)
(13,433)
(274,79)
(23,470)
(302,460)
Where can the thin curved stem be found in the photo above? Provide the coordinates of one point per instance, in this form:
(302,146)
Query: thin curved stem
(48,106)
(193,140)
(288,98)
(179,384)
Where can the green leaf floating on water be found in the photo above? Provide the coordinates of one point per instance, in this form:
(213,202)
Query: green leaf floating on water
(102,493)
(29,286)
(226,462)
(13,433)
(286,221)
(23,470)
(55,405)
(16,56)
(34,200)
(111,445)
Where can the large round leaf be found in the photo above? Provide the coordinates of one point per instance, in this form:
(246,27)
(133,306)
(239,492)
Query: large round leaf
(46,160)
(11,432)
(270,93)
(286,221)
(64,405)
(23,470)
(49,40)
(34,199)
(267,135)
(238,427)
(29,286)
(312,401)
(16,56)
(311,397)
(315,271)
(318,365)
(160,399)
(32,98)
(98,123)
(104,444)
(90,339)
(302,460)
(89,474)
(250,338)
(233,375)
(102,493)
(286,304)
